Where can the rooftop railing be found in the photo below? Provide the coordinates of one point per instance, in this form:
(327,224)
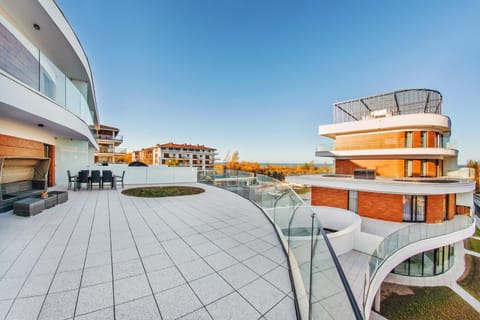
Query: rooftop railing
(321,288)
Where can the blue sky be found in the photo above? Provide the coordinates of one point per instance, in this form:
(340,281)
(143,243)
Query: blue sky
(259,76)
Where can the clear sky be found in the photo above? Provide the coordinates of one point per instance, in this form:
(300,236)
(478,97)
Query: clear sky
(259,76)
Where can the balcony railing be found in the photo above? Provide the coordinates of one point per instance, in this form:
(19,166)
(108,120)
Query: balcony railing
(407,236)
(22,60)
(108,137)
(318,279)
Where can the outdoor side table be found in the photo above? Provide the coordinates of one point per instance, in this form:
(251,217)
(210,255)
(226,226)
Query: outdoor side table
(50,200)
(28,207)
(62,196)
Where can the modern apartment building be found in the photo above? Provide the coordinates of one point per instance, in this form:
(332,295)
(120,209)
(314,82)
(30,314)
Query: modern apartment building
(108,141)
(47,97)
(394,164)
(183,155)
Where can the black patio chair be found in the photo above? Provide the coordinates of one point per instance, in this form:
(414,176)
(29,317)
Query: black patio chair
(108,177)
(82,178)
(71,180)
(95,178)
(120,178)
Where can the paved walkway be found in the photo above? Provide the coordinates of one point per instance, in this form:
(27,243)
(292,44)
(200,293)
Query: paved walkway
(102,255)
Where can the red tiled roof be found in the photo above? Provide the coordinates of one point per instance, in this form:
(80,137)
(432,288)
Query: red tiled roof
(186,146)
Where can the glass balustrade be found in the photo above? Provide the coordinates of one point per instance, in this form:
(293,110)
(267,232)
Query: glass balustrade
(25,62)
(321,289)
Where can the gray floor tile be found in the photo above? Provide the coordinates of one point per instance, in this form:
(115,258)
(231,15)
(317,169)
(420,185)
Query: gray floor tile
(238,275)
(150,249)
(177,302)
(210,288)
(260,264)
(275,254)
(279,278)
(97,259)
(131,288)
(4,306)
(241,252)
(96,275)
(9,287)
(261,294)
(220,261)
(94,298)
(206,249)
(66,281)
(165,279)
(59,305)
(127,269)
(157,262)
(140,309)
(285,310)
(195,269)
(35,286)
(232,307)
(200,314)
(124,255)
(25,308)
(104,314)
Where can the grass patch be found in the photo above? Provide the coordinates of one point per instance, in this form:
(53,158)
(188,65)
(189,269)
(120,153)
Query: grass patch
(470,280)
(472,244)
(157,192)
(436,303)
(302,190)
(477,232)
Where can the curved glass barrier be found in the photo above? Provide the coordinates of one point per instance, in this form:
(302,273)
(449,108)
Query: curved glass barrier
(321,289)
(411,234)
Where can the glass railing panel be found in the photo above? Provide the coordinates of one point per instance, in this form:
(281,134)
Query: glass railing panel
(73,98)
(52,80)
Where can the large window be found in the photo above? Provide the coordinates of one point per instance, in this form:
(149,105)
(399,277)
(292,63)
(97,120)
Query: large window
(438,140)
(423,139)
(409,139)
(428,263)
(408,168)
(424,168)
(353,201)
(413,208)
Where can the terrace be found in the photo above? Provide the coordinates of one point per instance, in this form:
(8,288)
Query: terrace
(104,255)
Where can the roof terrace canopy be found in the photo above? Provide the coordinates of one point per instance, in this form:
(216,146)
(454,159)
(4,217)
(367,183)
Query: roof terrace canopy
(389,104)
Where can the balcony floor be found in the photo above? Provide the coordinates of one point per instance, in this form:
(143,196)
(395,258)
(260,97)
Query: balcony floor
(103,255)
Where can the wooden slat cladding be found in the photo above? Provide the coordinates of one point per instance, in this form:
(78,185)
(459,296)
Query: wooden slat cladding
(13,146)
(329,197)
(385,140)
(380,206)
(385,168)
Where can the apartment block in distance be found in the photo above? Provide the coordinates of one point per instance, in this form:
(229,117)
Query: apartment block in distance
(396,168)
(108,141)
(183,155)
(47,97)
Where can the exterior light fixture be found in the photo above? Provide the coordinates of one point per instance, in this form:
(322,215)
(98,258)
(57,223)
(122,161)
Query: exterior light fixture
(36,26)
(41,125)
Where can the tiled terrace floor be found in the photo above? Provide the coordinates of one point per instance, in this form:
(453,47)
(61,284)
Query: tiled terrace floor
(102,255)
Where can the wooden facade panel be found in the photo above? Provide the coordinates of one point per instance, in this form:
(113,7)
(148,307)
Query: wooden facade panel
(435,210)
(329,197)
(13,146)
(452,204)
(385,168)
(386,140)
(380,206)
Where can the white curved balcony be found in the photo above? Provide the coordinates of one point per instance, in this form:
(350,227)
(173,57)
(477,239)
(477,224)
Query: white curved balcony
(394,153)
(409,241)
(414,186)
(425,121)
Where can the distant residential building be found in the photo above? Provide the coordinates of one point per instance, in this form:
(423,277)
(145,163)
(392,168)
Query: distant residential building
(183,155)
(108,141)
